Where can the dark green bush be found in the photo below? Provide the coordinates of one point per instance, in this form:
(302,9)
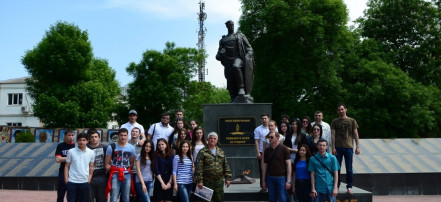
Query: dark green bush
(25,136)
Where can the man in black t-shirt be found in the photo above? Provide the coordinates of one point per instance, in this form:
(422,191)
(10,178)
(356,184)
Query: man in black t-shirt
(98,183)
(60,157)
(276,170)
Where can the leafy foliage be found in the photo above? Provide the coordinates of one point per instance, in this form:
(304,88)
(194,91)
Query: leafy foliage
(199,93)
(386,102)
(409,32)
(71,89)
(387,71)
(298,46)
(160,80)
(24,136)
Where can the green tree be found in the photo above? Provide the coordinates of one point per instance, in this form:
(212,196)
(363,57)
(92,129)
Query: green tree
(385,101)
(70,87)
(159,81)
(199,93)
(298,46)
(409,32)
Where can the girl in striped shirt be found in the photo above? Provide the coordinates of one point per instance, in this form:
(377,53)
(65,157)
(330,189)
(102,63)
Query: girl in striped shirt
(183,169)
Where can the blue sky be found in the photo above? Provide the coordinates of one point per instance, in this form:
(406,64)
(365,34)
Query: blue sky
(120,30)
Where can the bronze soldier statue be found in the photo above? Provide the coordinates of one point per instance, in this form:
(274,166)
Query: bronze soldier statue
(236,55)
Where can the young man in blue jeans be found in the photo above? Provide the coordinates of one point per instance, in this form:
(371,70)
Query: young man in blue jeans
(78,170)
(276,169)
(344,130)
(119,162)
(324,174)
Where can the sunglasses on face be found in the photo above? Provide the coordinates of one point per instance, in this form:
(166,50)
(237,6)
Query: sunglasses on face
(272,137)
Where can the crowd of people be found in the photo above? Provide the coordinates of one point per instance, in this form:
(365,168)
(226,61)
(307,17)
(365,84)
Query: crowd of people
(139,165)
(298,160)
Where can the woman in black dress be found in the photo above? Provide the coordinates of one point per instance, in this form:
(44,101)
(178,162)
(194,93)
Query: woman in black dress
(163,188)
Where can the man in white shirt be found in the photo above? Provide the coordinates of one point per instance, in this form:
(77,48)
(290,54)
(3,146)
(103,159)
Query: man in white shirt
(79,169)
(326,129)
(259,135)
(160,130)
(133,115)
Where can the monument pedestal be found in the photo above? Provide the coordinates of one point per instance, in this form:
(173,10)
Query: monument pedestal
(235,124)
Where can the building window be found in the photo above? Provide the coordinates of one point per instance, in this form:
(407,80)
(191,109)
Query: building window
(13,124)
(15,99)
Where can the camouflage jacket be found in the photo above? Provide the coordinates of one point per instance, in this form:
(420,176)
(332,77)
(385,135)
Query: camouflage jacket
(210,167)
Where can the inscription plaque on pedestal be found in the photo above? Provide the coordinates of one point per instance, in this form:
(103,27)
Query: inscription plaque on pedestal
(236,130)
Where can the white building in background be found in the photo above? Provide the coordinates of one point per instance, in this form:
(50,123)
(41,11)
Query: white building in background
(16,104)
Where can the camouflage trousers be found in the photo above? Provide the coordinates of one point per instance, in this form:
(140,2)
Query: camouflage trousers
(218,188)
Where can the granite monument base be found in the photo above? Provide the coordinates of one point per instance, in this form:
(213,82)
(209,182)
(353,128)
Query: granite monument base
(235,124)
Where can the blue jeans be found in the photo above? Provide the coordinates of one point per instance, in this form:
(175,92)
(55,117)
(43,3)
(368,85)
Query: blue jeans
(276,188)
(123,186)
(144,197)
(77,191)
(184,192)
(322,196)
(347,153)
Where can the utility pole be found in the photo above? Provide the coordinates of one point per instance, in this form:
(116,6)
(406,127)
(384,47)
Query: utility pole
(202,16)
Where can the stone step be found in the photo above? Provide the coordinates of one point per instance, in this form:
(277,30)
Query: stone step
(251,192)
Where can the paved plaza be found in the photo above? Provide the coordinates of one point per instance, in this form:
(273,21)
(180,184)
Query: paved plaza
(50,196)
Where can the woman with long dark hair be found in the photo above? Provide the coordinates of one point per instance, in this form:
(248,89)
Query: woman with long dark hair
(301,176)
(293,140)
(191,126)
(183,169)
(180,133)
(197,142)
(163,169)
(284,129)
(306,126)
(179,124)
(145,164)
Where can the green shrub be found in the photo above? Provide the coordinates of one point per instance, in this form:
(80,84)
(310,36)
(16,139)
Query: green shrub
(25,136)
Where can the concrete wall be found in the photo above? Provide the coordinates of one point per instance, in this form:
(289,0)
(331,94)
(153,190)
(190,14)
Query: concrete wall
(399,183)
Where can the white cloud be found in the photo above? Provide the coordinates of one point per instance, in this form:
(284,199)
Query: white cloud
(355,8)
(223,9)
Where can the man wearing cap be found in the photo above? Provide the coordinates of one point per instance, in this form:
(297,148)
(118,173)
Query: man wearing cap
(212,168)
(133,115)
(236,55)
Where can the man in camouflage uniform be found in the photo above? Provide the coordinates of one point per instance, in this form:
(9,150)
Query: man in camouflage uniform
(212,168)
